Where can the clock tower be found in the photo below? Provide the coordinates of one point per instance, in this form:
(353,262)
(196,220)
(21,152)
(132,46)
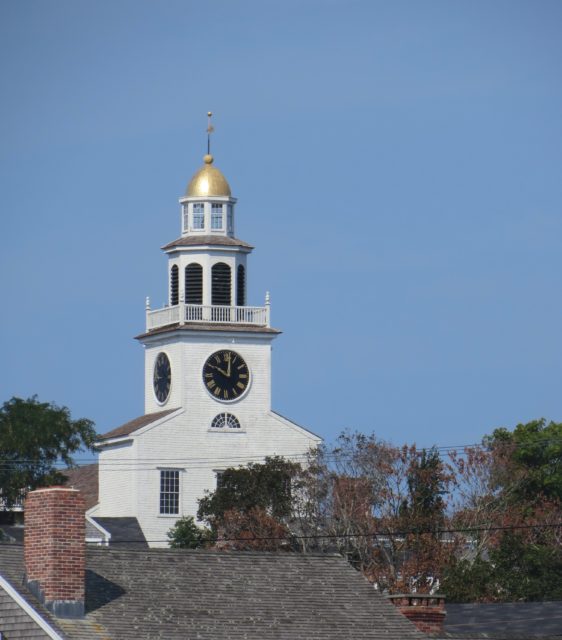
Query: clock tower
(207,382)
(207,306)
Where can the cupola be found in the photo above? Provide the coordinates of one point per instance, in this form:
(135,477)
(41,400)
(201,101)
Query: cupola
(208,181)
(207,207)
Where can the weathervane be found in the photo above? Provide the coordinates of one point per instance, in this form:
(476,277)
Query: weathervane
(210,130)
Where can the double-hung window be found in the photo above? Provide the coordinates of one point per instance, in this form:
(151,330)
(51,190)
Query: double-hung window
(198,217)
(220,478)
(216,216)
(169,491)
(229,219)
(185,217)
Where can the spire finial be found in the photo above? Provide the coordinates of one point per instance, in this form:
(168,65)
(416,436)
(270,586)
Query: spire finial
(210,130)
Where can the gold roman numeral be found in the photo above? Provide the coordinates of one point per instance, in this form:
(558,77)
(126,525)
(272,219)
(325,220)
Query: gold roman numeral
(240,385)
(217,391)
(211,384)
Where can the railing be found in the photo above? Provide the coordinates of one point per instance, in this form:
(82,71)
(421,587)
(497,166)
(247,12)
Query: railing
(182,313)
(162,317)
(17,504)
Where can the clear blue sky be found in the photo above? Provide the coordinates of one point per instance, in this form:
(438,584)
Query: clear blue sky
(398,168)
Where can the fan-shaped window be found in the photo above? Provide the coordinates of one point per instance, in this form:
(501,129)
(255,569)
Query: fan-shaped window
(174,285)
(194,284)
(225,421)
(241,286)
(220,282)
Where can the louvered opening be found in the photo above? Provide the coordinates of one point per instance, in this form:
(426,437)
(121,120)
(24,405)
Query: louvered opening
(194,284)
(174,285)
(241,286)
(220,280)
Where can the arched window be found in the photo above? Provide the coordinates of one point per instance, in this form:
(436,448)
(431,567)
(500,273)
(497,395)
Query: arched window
(220,283)
(225,421)
(194,284)
(174,285)
(241,286)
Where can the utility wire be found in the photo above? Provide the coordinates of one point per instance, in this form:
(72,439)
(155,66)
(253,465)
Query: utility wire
(370,534)
(462,449)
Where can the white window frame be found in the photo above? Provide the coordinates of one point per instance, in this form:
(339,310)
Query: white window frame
(229,218)
(161,493)
(217,215)
(226,417)
(218,475)
(200,216)
(185,217)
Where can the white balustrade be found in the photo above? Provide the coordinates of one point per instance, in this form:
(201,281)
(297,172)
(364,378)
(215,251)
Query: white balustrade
(258,316)
(162,317)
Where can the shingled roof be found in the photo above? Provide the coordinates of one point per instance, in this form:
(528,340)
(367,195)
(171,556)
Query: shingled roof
(501,620)
(209,326)
(209,595)
(135,424)
(196,240)
(85,479)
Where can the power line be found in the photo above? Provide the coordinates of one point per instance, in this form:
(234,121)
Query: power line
(370,534)
(462,449)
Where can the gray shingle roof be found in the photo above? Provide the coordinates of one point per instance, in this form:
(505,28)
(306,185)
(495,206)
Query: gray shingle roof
(210,326)
(504,619)
(207,595)
(15,623)
(135,424)
(123,530)
(85,479)
(197,240)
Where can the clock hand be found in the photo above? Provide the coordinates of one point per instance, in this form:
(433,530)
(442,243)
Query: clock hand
(229,362)
(212,366)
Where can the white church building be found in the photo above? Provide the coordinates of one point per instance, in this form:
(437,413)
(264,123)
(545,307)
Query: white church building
(207,381)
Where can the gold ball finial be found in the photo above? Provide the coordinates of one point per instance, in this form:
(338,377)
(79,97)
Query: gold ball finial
(209,113)
(208,158)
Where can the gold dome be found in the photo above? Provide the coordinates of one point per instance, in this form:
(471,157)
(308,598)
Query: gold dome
(208,181)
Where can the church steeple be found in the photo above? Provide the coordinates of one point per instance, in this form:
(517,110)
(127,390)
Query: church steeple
(207,276)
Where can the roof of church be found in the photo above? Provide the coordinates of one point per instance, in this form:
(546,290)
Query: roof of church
(196,240)
(210,326)
(135,424)
(86,480)
(219,595)
(124,531)
(208,181)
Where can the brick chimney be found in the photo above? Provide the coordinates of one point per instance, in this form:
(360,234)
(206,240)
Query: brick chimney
(426,611)
(55,549)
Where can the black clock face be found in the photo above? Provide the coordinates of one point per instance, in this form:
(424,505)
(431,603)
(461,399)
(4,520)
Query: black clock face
(226,375)
(162,377)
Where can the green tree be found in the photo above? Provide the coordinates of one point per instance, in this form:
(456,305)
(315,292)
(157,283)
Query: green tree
(535,451)
(185,534)
(266,487)
(516,570)
(427,484)
(34,437)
